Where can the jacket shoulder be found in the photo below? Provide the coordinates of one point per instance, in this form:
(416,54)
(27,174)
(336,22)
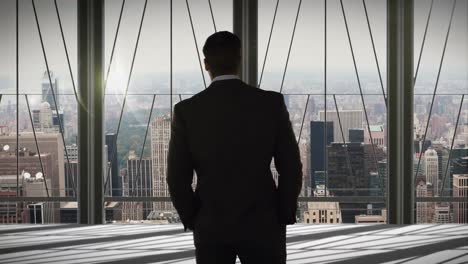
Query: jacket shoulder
(183,104)
(273,96)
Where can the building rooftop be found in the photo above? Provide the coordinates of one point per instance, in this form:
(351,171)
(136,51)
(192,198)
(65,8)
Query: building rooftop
(376,128)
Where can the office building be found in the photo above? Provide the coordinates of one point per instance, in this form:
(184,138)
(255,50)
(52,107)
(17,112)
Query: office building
(459,161)
(377,133)
(442,214)
(50,107)
(418,145)
(114,181)
(319,178)
(348,176)
(28,185)
(356,135)
(460,189)
(318,143)
(48,93)
(349,119)
(71,169)
(347,170)
(72,151)
(382,170)
(375,181)
(52,155)
(422,208)
(431,169)
(443,155)
(373,155)
(44,119)
(160,136)
(12,212)
(138,181)
(322,212)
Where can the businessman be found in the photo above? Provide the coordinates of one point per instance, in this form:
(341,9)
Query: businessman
(228,134)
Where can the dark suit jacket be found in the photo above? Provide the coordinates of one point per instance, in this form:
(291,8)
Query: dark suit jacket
(228,134)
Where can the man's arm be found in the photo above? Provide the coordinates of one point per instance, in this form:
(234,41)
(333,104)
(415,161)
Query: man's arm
(180,171)
(289,166)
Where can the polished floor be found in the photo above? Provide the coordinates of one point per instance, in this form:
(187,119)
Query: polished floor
(139,244)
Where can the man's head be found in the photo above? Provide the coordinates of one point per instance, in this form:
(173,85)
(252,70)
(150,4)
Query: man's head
(222,52)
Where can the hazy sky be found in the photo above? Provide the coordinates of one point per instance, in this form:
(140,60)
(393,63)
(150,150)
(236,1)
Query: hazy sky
(153,52)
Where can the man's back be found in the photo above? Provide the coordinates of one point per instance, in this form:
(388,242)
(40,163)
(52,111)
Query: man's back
(228,134)
(232,132)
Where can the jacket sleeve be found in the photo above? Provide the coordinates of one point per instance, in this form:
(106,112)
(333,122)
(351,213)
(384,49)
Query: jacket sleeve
(180,171)
(288,164)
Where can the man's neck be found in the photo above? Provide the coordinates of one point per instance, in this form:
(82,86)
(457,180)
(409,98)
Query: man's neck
(224,77)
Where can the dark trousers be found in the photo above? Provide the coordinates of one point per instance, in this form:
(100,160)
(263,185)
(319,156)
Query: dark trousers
(258,242)
(248,253)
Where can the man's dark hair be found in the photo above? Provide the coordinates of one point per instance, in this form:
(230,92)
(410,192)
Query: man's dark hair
(222,51)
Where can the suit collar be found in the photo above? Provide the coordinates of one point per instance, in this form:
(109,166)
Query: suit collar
(225,77)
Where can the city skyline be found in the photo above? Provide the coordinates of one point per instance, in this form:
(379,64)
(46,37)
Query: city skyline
(345,162)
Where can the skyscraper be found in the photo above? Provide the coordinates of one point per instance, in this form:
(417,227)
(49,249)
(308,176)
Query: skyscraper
(318,143)
(71,169)
(349,119)
(114,182)
(348,176)
(459,161)
(442,155)
(47,93)
(418,146)
(373,154)
(460,189)
(422,208)
(138,182)
(458,164)
(431,165)
(344,180)
(319,178)
(44,119)
(160,136)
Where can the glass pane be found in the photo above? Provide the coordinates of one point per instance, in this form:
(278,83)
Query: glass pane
(138,116)
(440,110)
(347,105)
(38,109)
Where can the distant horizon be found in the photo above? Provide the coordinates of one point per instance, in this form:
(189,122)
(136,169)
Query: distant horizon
(8,83)
(306,55)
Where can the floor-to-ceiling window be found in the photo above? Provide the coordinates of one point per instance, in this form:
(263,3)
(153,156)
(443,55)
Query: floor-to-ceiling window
(329,59)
